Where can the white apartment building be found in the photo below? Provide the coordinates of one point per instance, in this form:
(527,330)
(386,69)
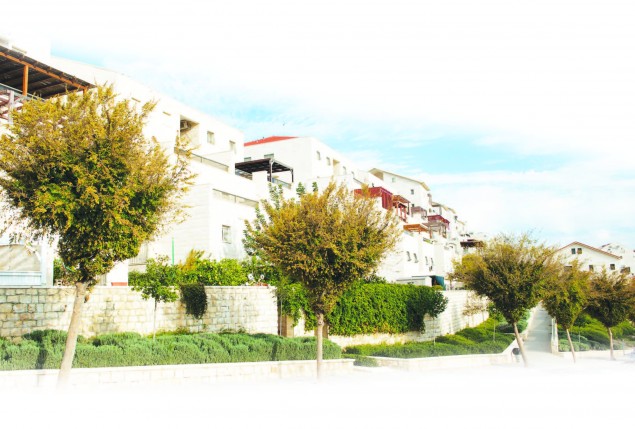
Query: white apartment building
(232,177)
(424,255)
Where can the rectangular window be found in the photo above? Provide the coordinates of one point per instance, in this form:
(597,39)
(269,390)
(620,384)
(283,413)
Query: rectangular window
(416,259)
(394,179)
(227,234)
(328,161)
(408,255)
(247,158)
(573,250)
(579,250)
(344,170)
(412,192)
(232,146)
(590,267)
(319,155)
(210,138)
(612,267)
(269,155)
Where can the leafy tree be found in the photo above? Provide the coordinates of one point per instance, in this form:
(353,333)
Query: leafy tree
(79,168)
(611,300)
(323,240)
(566,297)
(512,272)
(158,283)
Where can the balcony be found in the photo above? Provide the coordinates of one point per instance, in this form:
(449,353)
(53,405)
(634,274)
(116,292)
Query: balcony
(437,224)
(389,201)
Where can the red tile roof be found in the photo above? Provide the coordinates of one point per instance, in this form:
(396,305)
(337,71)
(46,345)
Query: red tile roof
(268,140)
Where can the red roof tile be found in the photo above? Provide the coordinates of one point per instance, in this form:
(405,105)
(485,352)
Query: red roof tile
(268,140)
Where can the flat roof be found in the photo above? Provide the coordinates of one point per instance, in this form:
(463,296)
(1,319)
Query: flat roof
(265,164)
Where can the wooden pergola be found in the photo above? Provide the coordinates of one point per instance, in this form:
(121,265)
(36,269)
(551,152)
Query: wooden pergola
(22,78)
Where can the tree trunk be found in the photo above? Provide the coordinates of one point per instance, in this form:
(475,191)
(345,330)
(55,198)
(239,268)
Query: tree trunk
(521,345)
(611,343)
(319,333)
(71,338)
(154,321)
(570,344)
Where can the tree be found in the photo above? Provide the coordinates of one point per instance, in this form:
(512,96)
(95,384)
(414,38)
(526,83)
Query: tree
(566,297)
(158,283)
(323,240)
(611,300)
(79,168)
(512,272)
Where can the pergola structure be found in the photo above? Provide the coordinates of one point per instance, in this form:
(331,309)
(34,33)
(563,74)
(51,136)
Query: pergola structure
(269,165)
(23,78)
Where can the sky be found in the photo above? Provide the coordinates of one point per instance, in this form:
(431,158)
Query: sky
(520,115)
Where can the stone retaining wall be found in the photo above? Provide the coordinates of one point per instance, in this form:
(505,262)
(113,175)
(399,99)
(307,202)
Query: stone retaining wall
(119,309)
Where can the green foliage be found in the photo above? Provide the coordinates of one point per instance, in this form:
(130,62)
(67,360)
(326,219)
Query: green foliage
(157,283)
(195,299)
(567,296)
(324,241)
(43,349)
(510,271)
(292,301)
(475,340)
(611,298)
(386,308)
(589,333)
(80,168)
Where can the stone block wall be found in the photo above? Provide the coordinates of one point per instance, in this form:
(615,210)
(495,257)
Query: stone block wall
(119,309)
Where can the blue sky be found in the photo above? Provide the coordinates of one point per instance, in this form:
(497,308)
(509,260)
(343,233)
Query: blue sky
(518,114)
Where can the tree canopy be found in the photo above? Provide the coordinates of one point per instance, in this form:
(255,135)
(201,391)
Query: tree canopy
(512,271)
(79,169)
(611,300)
(323,240)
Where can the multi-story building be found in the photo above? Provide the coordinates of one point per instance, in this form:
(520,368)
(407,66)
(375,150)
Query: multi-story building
(232,177)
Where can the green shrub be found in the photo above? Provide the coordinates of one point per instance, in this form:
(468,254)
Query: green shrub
(195,299)
(43,349)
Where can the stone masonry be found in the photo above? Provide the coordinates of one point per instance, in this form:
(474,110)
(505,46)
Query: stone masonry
(119,309)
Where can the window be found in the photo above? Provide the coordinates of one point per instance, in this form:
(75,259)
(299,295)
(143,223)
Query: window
(431,261)
(210,138)
(227,234)
(344,170)
(247,158)
(408,255)
(426,260)
(415,256)
(612,267)
(319,155)
(579,250)
(394,179)
(269,155)
(232,146)
(328,161)
(573,250)
(590,267)
(412,192)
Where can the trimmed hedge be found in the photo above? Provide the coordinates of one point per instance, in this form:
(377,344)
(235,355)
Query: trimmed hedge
(369,308)
(478,340)
(43,350)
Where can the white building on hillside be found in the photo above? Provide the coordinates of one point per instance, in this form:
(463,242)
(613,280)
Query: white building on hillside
(591,258)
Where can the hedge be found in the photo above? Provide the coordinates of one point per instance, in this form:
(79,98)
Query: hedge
(369,308)
(43,350)
(588,333)
(477,340)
